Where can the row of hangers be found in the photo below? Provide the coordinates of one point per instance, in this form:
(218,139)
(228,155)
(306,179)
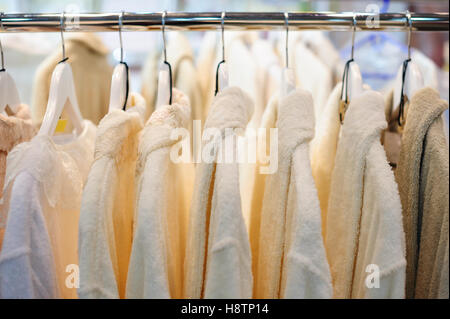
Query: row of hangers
(62,89)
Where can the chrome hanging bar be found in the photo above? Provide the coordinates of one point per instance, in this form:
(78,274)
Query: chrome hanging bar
(100,22)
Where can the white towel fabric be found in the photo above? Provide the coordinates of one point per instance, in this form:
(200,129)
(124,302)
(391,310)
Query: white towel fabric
(42,194)
(364,224)
(157,255)
(292,261)
(218,259)
(107,208)
(323,150)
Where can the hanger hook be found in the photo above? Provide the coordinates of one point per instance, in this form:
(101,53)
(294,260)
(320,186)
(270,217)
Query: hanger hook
(163,29)
(409,21)
(222,23)
(120,35)
(286,23)
(1,46)
(354,23)
(62,39)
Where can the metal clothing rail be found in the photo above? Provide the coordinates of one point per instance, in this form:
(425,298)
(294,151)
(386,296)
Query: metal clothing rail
(100,22)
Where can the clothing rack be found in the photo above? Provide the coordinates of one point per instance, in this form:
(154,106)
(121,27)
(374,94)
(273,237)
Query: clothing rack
(202,21)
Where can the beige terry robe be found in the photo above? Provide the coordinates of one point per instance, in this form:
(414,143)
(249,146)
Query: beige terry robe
(291,260)
(107,207)
(423,180)
(218,259)
(365,238)
(157,254)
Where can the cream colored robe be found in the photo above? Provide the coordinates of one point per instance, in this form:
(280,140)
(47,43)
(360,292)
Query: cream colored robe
(423,180)
(291,260)
(107,208)
(364,224)
(91,73)
(218,258)
(157,255)
(323,150)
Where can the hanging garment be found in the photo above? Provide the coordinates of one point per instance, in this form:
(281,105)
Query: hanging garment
(218,260)
(14,129)
(323,150)
(422,175)
(107,207)
(364,233)
(43,188)
(156,263)
(91,74)
(184,73)
(292,261)
(269,121)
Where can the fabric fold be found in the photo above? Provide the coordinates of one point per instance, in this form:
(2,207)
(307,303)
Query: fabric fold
(218,258)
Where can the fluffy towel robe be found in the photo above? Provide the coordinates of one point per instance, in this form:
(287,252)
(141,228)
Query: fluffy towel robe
(218,259)
(88,57)
(364,226)
(423,181)
(157,254)
(292,261)
(107,207)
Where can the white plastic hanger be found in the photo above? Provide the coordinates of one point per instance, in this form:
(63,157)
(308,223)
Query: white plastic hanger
(222,69)
(352,83)
(62,93)
(119,82)
(9,95)
(409,78)
(164,95)
(287,75)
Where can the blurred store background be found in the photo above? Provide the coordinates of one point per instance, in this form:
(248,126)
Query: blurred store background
(378,53)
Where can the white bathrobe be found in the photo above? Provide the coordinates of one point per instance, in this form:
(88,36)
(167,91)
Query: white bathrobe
(365,241)
(157,254)
(292,261)
(107,208)
(218,258)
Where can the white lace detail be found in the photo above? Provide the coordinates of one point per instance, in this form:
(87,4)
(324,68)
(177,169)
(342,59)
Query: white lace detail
(61,169)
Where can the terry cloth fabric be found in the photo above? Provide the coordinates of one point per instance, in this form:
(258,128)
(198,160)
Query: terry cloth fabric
(218,259)
(423,180)
(364,223)
(323,150)
(107,207)
(42,194)
(157,255)
(88,57)
(292,261)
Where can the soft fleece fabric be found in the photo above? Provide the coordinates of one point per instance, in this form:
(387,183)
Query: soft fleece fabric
(292,261)
(218,259)
(107,208)
(43,188)
(423,180)
(156,262)
(364,223)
